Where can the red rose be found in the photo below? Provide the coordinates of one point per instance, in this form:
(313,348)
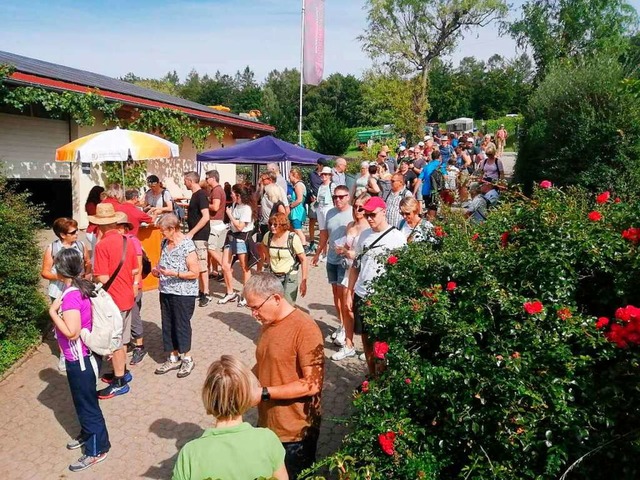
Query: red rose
(602,322)
(545,184)
(515,355)
(380,349)
(595,216)
(451,286)
(365,386)
(439,231)
(533,307)
(504,239)
(623,314)
(392,260)
(603,197)
(564,313)
(617,200)
(632,234)
(386,441)
(475,237)
(407,381)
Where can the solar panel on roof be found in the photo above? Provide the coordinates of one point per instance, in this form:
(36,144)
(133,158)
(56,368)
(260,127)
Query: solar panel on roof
(89,79)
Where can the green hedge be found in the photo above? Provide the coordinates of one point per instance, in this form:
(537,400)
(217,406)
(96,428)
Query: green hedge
(582,127)
(22,305)
(481,380)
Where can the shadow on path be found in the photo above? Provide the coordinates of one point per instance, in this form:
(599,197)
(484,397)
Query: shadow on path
(57,397)
(241,322)
(182,433)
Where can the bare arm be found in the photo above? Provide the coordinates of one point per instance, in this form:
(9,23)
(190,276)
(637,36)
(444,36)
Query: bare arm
(69,324)
(47,265)
(281,473)
(309,385)
(201,224)
(304,266)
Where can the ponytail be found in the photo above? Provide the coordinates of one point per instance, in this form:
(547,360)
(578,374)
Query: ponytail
(87,288)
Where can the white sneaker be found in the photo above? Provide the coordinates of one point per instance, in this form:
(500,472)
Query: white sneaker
(242,302)
(344,352)
(341,337)
(227,298)
(362,357)
(335,333)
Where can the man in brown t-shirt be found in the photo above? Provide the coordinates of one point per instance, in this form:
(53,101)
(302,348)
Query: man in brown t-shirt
(218,233)
(290,368)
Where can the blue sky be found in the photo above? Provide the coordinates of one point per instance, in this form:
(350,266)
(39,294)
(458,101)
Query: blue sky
(151,38)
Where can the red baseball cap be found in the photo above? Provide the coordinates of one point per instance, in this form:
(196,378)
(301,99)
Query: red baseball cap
(374,203)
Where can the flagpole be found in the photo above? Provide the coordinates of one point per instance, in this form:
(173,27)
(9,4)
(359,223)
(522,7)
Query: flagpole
(301,73)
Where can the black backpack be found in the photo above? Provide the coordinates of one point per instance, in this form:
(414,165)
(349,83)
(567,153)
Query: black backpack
(177,209)
(437,180)
(296,260)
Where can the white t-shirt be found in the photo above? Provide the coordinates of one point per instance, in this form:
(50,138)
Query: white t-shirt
(451,178)
(242,213)
(370,267)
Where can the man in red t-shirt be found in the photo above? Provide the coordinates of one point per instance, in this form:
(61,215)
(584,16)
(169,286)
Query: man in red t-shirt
(218,232)
(134,214)
(107,256)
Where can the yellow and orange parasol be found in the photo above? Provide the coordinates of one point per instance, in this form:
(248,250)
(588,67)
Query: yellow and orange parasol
(117,146)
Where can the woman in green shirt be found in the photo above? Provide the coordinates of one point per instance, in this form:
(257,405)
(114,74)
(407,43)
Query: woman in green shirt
(232,449)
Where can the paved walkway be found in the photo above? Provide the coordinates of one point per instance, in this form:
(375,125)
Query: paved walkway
(148,426)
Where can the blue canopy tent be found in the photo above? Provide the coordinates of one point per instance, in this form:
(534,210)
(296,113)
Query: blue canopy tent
(261,151)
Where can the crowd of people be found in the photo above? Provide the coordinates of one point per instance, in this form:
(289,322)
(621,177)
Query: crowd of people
(393,202)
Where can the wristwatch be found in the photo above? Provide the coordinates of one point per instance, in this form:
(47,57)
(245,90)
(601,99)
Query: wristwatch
(266,396)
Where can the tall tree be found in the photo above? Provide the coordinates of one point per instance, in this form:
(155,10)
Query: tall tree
(339,94)
(408,35)
(279,104)
(555,29)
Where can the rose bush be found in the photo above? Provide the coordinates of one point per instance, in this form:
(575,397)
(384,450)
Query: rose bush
(517,372)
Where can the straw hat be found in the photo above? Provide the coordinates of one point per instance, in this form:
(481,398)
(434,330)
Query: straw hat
(106,215)
(125,221)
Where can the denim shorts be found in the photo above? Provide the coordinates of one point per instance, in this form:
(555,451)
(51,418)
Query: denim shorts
(241,247)
(335,273)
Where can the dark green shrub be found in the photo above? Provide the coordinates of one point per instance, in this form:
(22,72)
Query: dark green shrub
(581,127)
(330,135)
(22,305)
(477,386)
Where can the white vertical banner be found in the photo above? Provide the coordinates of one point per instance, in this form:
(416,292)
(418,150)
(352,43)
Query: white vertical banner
(313,41)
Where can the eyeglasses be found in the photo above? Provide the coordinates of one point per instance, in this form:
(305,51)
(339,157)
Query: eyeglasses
(73,232)
(371,215)
(340,197)
(255,309)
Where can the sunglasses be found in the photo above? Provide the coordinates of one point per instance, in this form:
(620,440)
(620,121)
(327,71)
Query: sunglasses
(382,156)
(404,214)
(73,232)
(371,215)
(271,225)
(340,197)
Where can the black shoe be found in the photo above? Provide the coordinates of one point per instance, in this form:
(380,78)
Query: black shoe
(204,300)
(138,355)
(108,377)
